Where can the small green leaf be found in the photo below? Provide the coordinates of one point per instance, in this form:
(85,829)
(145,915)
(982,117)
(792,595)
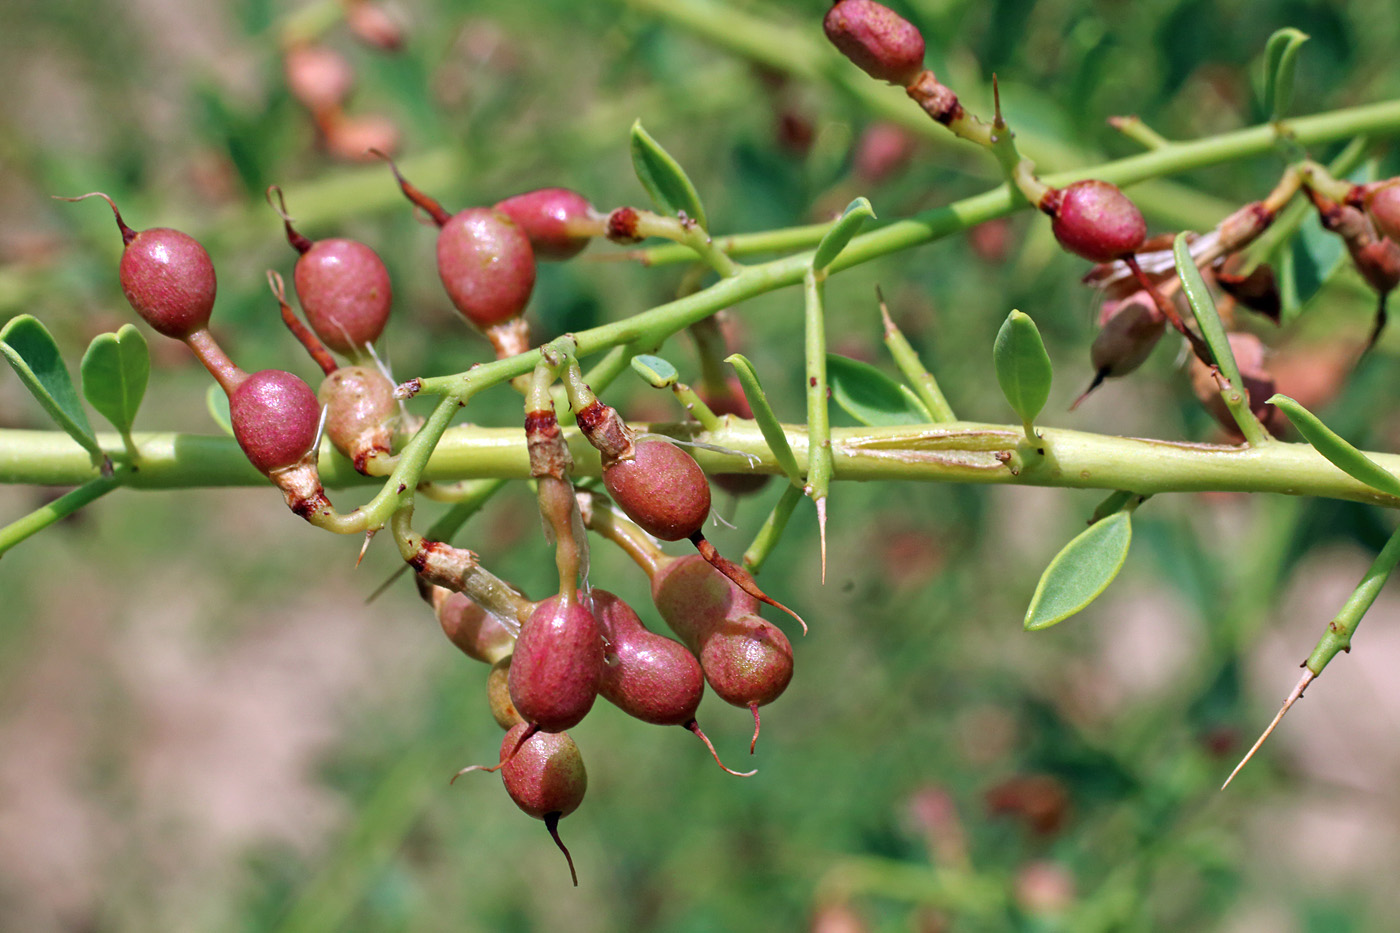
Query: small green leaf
(1203,307)
(767,421)
(663,178)
(1344,456)
(217,403)
(658,373)
(869,396)
(32,352)
(1022,365)
(1280,56)
(115,369)
(841,232)
(1081,571)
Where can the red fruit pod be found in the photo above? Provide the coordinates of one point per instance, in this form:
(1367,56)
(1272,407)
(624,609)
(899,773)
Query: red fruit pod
(876,39)
(319,77)
(747,660)
(545,777)
(169,280)
(1383,204)
(275,416)
(647,676)
(498,695)
(345,293)
(551,218)
(661,488)
(1131,329)
(557,664)
(359,404)
(479,634)
(486,265)
(1094,220)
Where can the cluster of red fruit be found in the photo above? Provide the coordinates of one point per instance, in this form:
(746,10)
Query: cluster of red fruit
(1096,221)
(552,658)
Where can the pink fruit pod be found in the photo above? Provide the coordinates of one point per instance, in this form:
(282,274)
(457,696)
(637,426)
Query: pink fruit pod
(557,664)
(1094,220)
(544,775)
(1383,204)
(169,280)
(662,489)
(876,39)
(647,676)
(360,405)
(345,293)
(1131,328)
(552,218)
(480,635)
(319,77)
(275,416)
(486,264)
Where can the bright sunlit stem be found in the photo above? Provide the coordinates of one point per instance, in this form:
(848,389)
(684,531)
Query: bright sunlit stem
(819,466)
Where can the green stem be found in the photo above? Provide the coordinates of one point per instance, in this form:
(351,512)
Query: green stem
(961,452)
(818,416)
(772,531)
(60,508)
(1341,628)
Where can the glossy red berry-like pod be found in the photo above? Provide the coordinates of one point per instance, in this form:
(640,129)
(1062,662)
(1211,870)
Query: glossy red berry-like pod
(166,275)
(486,264)
(275,416)
(557,664)
(544,775)
(1094,220)
(1383,204)
(876,39)
(345,293)
(662,489)
(647,676)
(550,218)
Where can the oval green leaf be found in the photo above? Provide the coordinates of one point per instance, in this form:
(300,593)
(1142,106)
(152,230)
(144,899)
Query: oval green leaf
(1022,365)
(846,226)
(663,178)
(657,373)
(1280,57)
(114,370)
(767,421)
(1342,455)
(217,403)
(869,396)
(1081,571)
(31,350)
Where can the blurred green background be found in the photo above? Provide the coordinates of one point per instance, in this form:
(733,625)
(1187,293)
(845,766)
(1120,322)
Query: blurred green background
(204,726)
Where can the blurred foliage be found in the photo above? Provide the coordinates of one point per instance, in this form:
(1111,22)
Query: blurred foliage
(931,766)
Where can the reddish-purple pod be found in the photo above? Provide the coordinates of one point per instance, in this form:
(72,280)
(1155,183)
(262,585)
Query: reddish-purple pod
(467,625)
(647,676)
(1130,331)
(345,293)
(557,664)
(558,221)
(486,265)
(747,660)
(360,404)
(545,777)
(275,416)
(166,275)
(1383,204)
(318,76)
(876,39)
(661,488)
(1094,220)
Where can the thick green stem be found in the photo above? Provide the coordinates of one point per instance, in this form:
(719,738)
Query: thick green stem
(961,452)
